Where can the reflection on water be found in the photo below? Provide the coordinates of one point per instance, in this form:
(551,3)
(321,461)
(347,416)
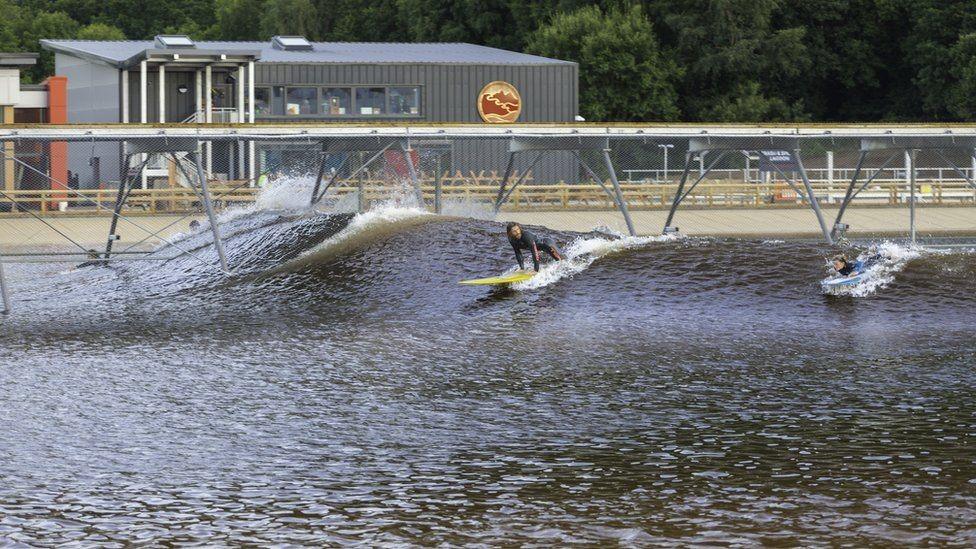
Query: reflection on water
(672,391)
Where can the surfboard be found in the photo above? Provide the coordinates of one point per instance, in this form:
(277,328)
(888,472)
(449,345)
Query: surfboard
(842,282)
(517,276)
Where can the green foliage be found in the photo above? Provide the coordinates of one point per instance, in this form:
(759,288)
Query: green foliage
(100,31)
(707,60)
(623,76)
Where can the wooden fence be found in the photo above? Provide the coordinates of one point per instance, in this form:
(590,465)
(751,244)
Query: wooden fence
(540,197)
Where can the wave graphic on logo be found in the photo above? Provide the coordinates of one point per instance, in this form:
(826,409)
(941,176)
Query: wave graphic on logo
(500,105)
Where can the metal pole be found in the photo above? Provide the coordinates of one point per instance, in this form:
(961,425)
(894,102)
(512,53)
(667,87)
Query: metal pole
(4,290)
(525,174)
(849,194)
(318,179)
(813,198)
(678,192)
(438,191)
(162,93)
(910,158)
(620,195)
(210,212)
(508,173)
(412,170)
(119,202)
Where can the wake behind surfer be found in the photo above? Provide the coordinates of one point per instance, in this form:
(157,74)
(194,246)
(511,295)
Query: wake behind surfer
(521,239)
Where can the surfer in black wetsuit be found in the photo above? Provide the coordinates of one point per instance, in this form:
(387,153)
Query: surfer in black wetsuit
(843,266)
(524,240)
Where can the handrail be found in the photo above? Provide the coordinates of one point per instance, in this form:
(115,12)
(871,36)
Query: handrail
(527,197)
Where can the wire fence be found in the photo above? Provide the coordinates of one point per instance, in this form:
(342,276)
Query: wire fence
(112,194)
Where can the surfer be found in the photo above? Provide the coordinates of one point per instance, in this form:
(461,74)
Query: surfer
(524,240)
(845,267)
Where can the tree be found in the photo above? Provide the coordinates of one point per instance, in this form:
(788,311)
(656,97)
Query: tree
(38,26)
(237,20)
(283,17)
(100,31)
(622,74)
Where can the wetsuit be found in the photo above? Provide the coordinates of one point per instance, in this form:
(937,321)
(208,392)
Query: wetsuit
(531,242)
(852,268)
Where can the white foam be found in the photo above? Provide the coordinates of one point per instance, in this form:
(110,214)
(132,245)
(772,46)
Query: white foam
(580,254)
(894,258)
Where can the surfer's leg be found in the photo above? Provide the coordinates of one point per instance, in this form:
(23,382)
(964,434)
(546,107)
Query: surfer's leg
(549,245)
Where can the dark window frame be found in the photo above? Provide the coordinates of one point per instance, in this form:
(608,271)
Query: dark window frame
(353,107)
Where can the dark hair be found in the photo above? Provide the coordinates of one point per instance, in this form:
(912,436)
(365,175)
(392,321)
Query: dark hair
(511,225)
(840,257)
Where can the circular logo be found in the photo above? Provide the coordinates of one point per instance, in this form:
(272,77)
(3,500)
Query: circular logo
(499,103)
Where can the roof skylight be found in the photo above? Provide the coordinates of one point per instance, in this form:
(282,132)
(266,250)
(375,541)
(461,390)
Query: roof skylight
(291,43)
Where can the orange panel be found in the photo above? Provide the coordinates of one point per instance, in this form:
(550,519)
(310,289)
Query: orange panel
(57,113)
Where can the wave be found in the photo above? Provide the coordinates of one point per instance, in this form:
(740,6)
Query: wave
(884,261)
(581,253)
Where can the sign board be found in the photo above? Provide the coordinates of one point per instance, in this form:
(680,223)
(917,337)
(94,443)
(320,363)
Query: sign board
(769,161)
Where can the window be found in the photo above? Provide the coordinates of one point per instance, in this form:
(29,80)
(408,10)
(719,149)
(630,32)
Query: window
(371,101)
(174,41)
(405,100)
(291,43)
(336,101)
(301,101)
(278,101)
(262,101)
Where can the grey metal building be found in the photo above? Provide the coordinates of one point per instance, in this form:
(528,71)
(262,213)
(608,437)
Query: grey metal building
(289,79)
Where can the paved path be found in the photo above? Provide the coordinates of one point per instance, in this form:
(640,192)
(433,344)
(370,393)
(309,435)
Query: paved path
(91,232)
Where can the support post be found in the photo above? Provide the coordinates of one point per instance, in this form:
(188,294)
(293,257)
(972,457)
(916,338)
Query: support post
(408,157)
(124,114)
(241,84)
(4,290)
(250,94)
(812,197)
(620,195)
(162,93)
(508,173)
(438,191)
(197,95)
(525,174)
(910,159)
(143,91)
(678,193)
(848,196)
(316,198)
(208,113)
(318,180)
(124,183)
(830,170)
(208,205)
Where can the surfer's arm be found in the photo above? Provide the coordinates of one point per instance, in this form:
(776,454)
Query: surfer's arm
(518,255)
(535,257)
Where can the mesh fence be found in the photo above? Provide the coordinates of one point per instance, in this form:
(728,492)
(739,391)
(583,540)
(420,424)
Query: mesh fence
(79,194)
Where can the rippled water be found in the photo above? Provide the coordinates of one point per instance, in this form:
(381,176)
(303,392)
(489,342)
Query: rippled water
(341,387)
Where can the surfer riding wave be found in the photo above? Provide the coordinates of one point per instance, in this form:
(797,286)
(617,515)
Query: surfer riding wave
(521,239)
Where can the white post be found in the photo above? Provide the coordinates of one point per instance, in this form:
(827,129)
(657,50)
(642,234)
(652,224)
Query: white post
(252,174)
(241,83)
(197,99)
(162,93)
(208,114)
(830,173)
(143,91)
(207,95)
(124,118)
(143,111)
(701,163)
(250,92)
(972,174)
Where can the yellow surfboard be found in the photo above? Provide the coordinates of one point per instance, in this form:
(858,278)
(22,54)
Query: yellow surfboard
(517,276)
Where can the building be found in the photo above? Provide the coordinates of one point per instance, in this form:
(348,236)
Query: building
(24,164)
(289,79)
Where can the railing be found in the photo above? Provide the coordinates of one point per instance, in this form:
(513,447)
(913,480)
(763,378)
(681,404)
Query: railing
(568,197)
(841,176)
(219,115)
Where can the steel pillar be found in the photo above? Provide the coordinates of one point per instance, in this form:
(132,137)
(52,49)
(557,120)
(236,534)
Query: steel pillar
(508,173)
(125,185)
(4,290)
(620,194)
(504,196)
(910,157)
(408,158)
(812,197)
(214,228)
(438,192)
(678,193)
(851,193)
(317,198)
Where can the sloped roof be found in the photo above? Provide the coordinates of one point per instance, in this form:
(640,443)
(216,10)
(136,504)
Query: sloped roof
(120,52)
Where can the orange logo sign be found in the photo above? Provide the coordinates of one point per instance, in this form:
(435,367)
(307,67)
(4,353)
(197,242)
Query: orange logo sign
(499,103)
